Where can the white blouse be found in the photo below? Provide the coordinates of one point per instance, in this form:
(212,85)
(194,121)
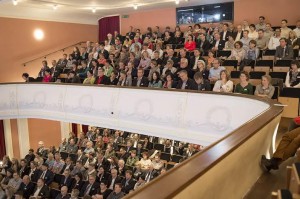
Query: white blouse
(220,87)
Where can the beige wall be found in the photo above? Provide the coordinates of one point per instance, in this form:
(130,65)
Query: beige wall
(243,10)
(18,44)
(44,130)
(15,138)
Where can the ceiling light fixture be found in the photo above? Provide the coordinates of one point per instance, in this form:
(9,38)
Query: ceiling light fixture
(135,6)
(94,10)
(15,2)
(54,7)
(176,2)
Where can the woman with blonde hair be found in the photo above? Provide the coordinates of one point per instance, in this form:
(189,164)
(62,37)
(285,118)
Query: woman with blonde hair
(265,88)
(293,40)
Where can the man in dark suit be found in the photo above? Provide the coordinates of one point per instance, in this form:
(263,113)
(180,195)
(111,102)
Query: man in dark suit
(225,33)
(102,161)
(66,179)
(68,165)
(113,179)
(26,187)
(238,34)
(41,190)
(123,154)
(30,156)
(140,81)
(103,51)
(170,56)
(194,60)
(24,170)
(90,188)
(34,173)
(284,51)
(46,174)
(55,70)
(63,61)
(151,174)
(218,44)
(63,193)
(203,43)
(185,82)
(41,151)
(202,84)
(128,182)
(102,79)
(184,65)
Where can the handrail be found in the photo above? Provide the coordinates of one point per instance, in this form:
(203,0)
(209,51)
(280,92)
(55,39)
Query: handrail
(78,43)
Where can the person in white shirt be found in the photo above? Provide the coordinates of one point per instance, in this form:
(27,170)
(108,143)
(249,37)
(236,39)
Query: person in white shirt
(274,41)
(146,48)
(269,31)
(224,84)
(297,29)
(245,25)
(261,24)
(239,34)
(245,40)
(252,32)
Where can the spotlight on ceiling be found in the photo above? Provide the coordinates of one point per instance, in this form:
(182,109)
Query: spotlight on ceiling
(94,10)
(15,2)
(54,7)
(135,6)
(176,2)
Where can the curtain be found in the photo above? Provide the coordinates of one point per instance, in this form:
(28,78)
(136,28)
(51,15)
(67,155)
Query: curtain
(74,129)
(85,128)
(2,140)
(108,25)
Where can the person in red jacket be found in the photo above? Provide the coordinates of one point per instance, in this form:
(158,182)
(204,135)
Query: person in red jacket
(47,76)
(190,44)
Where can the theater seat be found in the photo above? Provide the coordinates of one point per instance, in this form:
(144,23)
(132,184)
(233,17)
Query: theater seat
(176,158)
(165,156)
(159,147)
(54,193)
(280,75)
(256,74)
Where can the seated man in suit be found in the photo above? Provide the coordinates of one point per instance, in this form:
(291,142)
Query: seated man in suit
(128,182)
(66,180)
(203,43)
(284,51)
(102,79)
(62,63)
(30,156)
(185,82)
(113,179)
(34,172)
(24,170)
(151,173)
(26,187)
(63,193)
(202,84)
(46,174)
(90,188)
(117,193)
(42,151)
(41,191)
(140,81)
(218,44)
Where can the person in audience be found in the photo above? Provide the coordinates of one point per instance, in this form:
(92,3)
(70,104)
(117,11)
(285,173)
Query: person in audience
(245,39)
(24,169)
(145,161)
(293,40)
(117,193)
(140,81)
(265,89)
(167,38)
(46,174)
(43,69)
(297,29)
(238,52)
(128,182)
(104,191)
(185,82)
(151,173)
(225,33)
(62,62)
(84,69)
(252,32)
(194,60)
(90,187)
(287,148)
(107,45)
(202,84)
(66,180)
(169,81)
(244,87)
(178,39)
(224,84)
(34,171)
(11,187)
(268,32)
(155,82)
(113,179)
(145,61)
(63,193)
(229,45)
(101,79)
(26,187)
(113,78)
(153,68)
(123,80)
(262,41)
(50,160)
(75,194)
(55,70)
(252,54)
(27,78)
(190,44)
(214,72)
(217,44)
(73,78)
(141,182)
(285,30)
(245,25)
(90,79)
(76,53)
(203,43)
(274,41)
(261,25)
(293,75)
(157,163)
(284,51)
(238,34)
(210,59)
(47,77)
(169,68)
(184,65)
(30,156)
(41,190)
(77,182)
(108,69)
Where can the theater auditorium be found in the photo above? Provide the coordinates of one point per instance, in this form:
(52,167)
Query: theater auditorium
(149,99)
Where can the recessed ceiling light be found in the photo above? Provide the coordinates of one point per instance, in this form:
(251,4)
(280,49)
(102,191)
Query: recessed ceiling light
(177,2)
(135,6)
(94,10)
(15,2)
(38,34)
(54,7)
